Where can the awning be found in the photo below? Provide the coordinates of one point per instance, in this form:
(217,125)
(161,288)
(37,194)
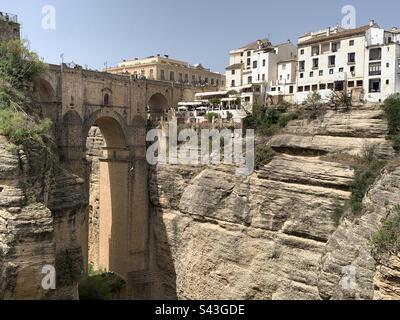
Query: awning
(194,103)
(217,93)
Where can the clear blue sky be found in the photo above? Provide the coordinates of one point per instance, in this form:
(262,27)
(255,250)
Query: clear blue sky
(94,31)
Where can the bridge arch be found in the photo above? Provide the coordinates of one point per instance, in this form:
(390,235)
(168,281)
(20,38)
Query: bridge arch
(157,106)
(46,97)
(108,188)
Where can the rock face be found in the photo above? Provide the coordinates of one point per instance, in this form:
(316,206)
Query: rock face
(38,204)
(276,234)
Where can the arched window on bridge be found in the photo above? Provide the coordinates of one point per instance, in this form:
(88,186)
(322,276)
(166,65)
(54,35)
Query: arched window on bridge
(106,100)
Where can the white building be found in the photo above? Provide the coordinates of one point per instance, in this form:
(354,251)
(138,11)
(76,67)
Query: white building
(254,68)
(363,61)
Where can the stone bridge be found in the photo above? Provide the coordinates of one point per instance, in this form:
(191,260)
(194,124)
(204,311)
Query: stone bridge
(76,100)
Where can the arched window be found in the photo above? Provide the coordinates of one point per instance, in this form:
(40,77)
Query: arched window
(106,99)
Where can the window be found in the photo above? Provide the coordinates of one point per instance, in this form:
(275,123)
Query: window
(250,79)
(315,63)
(217,82)
(315,51)
(151,74)
(330,71)
(248,61)
(233,83)
(325,48)
(281,77)
(330,86)
(375,54)
(180,77)
(233,72)
(311,74)
(387,65)
(300,89)
(360,83)
(321,73)
(301,75)
(302,52)
(339,85)
(162,75)
(241,54)
(263,63)
(341,69)
(247,99)
(206,80)
(352,69)
(350,84)
(263,77)
(171,76)
(186,77)
(315,87)
(248,53)
(331,60)
(212,82)
(351,43)
(335,46)
(387,81)
(374,85)
(375,69)
(351,57)
(254,64)
(291,89)
(322,86)
(273,89)
(106,99)
(194,79)
(258,77)
(306,88)
(302,66)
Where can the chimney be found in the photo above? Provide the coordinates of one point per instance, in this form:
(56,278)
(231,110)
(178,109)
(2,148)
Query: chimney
(371,23)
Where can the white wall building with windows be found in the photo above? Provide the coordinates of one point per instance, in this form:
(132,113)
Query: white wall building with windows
(363,61)
(258,66)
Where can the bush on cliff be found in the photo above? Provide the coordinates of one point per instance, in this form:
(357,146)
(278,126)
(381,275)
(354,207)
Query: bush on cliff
(267,121)
(386,241)
(19,119)
(392,111)
(365,175)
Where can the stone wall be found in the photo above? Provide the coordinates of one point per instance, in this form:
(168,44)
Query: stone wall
(9,30)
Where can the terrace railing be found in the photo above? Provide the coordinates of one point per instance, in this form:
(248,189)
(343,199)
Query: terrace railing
(4,16)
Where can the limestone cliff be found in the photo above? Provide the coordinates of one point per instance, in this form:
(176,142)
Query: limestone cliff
(276,234)
(39,205)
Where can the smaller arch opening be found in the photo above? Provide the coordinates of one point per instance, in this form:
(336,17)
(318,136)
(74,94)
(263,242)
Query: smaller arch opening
(106,100)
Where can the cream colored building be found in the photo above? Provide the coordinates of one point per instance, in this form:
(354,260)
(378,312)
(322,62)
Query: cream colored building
(164,68)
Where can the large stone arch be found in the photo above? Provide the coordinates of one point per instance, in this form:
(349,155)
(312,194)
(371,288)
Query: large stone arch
(158,105)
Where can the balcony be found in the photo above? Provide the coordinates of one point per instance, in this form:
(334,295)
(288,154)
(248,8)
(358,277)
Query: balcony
(4,16)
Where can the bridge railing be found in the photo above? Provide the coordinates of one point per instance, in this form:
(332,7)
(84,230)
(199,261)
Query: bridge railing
(4,16)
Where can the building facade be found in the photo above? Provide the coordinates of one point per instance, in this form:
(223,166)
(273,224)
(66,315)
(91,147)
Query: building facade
(9,26)
(254,69)
(163,68)
(363,62)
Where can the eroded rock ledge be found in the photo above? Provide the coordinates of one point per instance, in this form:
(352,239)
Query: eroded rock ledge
(274,235)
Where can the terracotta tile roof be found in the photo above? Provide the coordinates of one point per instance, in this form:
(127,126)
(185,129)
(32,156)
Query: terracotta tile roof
(338,35)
